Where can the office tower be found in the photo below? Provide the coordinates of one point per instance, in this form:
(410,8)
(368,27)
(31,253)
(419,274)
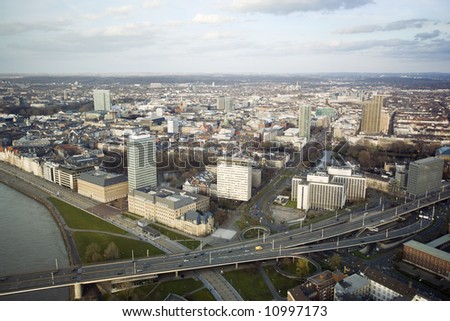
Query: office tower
(425,175)
(102,100)
(371,116)
(226,104)
(234,178)
(141,151)
(304,121)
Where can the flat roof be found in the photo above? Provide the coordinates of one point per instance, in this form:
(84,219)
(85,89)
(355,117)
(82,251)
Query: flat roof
(429,250)
(439,241)
(102,178)
(428,160)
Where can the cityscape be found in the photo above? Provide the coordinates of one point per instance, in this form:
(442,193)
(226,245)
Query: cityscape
(239,175)
(152,151)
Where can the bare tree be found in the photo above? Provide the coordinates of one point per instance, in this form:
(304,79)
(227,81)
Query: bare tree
(111,252)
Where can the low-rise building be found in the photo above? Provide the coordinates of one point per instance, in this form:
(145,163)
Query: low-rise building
(429,256)
(102,186)
(172,207)
(68,176)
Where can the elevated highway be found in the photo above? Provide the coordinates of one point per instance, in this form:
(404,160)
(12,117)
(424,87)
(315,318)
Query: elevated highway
(322,237)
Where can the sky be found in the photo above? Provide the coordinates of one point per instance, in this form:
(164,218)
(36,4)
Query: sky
(224,36)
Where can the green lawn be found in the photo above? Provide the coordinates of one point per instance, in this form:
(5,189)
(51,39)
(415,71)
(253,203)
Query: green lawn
(182,239)
(78,219)
(250,284)
(291,267)
(201,295)
(125,245)
(291,204)
(189,288)
(281,283)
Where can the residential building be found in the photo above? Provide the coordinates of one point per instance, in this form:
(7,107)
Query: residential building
(319,287)
(234,178)
(102,186)
(141,153)
(102,100)
(353,288)
(425,175)
(371,120)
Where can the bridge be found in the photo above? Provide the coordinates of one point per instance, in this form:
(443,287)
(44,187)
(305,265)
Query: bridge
(323,236)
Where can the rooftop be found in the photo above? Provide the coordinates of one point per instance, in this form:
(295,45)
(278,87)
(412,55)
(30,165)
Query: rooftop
(169,197)
(429,250)
(102,178)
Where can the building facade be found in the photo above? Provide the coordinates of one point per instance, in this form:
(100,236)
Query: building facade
(428,256)
(172,207)
(102,100)
(425,175)
(371,116)
(141,155)
(68,176)
(304,121)
(234,178)
(102,186)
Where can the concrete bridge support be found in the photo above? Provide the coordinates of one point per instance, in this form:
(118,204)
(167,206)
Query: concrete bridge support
(78,291)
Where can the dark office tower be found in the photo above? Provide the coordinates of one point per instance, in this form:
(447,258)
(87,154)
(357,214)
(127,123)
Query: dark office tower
(371,116)
(425,176)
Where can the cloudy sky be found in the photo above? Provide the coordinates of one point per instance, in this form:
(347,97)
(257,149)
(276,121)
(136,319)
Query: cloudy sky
(226,36)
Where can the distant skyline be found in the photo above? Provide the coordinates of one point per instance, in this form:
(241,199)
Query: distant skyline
(224,36)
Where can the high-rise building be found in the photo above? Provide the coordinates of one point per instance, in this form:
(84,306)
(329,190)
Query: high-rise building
(141,152)
(226,104)
(425,175)
(234,178)
(304,121)
(172,126)
(102,100)
(371,116)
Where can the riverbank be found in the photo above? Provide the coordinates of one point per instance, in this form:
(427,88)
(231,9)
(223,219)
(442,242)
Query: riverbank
(40,196)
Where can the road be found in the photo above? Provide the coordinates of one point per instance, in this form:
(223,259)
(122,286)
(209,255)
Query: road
(322,236)
(292,243)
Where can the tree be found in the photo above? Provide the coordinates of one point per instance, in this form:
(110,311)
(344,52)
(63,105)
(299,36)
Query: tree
(92,253)
(111,252)
(302,267)
(335,261)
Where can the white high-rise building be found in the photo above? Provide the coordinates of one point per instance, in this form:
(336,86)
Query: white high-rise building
(141,152)
(172,126)
(102,100)
(304,121)
(234,178)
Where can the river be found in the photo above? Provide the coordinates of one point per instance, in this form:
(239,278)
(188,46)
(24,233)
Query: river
(30,241)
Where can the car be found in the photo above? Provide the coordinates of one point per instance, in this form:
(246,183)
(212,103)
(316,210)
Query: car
(230,251)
